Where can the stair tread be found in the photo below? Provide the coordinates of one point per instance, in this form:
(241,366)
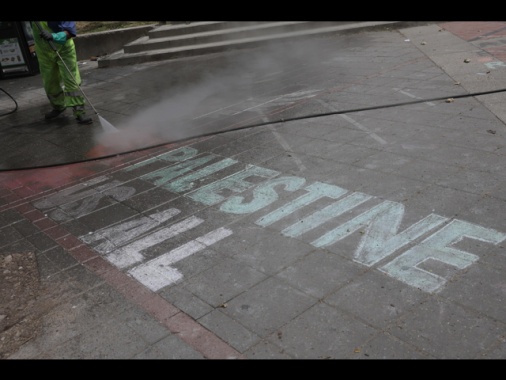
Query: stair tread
(247,39)
(237,42)
(147,40)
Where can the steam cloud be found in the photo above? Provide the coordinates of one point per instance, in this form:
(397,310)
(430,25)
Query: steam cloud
(227,84)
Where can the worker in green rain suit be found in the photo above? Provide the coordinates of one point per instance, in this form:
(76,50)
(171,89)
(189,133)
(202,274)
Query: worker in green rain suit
(60,81)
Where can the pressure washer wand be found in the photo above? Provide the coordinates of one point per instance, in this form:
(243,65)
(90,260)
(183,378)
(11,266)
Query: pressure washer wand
(104,123)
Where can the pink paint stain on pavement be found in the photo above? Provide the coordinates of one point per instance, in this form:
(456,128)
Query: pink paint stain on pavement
(472,30)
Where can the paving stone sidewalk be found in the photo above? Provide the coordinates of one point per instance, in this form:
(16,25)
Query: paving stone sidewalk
(341,200)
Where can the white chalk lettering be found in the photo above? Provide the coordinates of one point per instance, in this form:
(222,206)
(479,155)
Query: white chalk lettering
(187,182)
(263,195)
(165,175)
(73,193)
(495,64)
(180,154)
(381,240)
(77,209)
(437,247)
(74,203)
(159,273)
(318,218)
(208,194)
(316,191)
(383,214)
(132,253)
(127,245)
(111,238)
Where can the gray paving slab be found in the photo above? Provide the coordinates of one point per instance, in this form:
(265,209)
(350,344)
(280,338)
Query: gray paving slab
(338,201)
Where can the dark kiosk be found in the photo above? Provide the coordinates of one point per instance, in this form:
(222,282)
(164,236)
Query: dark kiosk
(17,49)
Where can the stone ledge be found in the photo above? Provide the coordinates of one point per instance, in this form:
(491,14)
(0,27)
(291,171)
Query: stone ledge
(98,44)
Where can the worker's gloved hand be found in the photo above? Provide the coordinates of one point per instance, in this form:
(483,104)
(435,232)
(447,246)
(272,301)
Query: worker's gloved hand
(60,37)
(48,36)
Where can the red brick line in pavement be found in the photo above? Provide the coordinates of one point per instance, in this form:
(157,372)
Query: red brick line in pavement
(479,32)
(16,191)
(474,30)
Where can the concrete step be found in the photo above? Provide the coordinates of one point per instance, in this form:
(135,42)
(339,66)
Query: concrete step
(191,27)
(217,32)
(199,38)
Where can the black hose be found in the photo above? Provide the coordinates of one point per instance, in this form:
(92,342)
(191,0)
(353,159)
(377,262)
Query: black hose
(15,103)
(282,120)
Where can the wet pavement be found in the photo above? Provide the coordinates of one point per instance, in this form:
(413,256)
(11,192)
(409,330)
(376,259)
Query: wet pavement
(336,199)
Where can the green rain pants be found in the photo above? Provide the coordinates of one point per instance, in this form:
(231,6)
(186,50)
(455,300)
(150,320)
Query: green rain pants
(61,87)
